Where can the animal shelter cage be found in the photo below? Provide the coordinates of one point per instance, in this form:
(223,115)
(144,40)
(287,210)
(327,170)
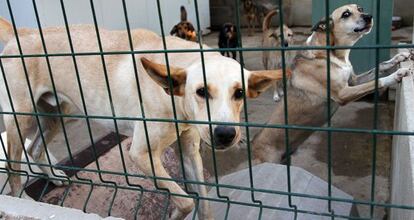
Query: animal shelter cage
(71,165)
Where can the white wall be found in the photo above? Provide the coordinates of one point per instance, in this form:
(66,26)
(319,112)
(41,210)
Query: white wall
(402,183)
(141,13)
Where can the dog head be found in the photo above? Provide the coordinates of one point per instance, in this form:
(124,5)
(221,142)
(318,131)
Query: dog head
(184,30)
(287,36)
(230,30)
(223,90)
(347,24)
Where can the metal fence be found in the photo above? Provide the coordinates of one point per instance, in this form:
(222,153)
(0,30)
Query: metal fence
(71,168)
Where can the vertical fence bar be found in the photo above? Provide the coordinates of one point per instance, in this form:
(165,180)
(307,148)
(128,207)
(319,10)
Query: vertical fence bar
(170,84)
(246,116)
(209,114)
(286,114)
(375,123)
(54,93)
(84,108)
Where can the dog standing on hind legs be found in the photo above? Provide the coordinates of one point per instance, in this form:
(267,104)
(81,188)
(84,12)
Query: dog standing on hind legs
(185,74)
(307,91)
(272,37)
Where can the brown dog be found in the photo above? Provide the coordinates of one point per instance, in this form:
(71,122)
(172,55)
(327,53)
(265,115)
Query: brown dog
(184,29)
(307,91)
(273,59)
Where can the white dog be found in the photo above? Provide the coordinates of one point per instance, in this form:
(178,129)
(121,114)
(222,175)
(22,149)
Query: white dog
(224,92)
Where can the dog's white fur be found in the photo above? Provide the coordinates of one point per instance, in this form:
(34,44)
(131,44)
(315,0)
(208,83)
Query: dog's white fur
(223,77)
(307,92)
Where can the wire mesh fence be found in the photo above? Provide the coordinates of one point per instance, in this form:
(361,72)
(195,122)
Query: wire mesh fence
(131,186)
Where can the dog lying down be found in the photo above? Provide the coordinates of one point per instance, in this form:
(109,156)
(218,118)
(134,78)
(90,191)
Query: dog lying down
(224,92)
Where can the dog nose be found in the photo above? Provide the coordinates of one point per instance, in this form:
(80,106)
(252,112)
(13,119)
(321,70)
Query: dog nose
(367,18)
(224,135)
(286,44)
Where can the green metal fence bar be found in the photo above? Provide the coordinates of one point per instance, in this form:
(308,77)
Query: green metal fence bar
(57,102)
(328,98)
(245,49)
(84,109)
(164,45)
(131,47)
(243,124)
(286,113)
(246,116)
(210,127)
(375,123)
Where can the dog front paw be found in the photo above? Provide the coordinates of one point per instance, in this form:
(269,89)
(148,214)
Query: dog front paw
(395,77)
(401,57)
(401,73)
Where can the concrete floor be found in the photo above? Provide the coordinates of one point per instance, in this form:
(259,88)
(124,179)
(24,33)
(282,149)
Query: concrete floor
(351,158)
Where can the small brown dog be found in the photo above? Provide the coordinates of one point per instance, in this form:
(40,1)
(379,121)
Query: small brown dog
(184,29)
(273,59)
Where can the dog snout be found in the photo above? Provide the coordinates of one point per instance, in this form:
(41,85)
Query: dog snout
(224,136)
(367,18)
(286,44)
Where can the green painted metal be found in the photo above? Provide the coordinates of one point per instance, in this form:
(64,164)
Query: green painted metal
(363,60)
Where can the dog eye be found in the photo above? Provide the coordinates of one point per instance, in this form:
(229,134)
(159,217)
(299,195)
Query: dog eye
(238,94)
(346,14)
(203,93)
(360,9)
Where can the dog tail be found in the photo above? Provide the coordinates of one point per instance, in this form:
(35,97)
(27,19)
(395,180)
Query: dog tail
(268,19)
(183,13)
(6,30)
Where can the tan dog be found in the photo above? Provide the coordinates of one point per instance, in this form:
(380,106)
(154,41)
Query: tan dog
(307,94)
(184,29)
(273,59)
(224,92)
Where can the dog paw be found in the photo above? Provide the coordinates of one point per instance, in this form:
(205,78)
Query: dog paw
(401,73)
(401,57)
(395,77)
(62,178)
(276,98)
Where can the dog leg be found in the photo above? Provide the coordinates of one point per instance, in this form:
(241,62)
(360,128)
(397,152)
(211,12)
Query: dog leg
(37,152)
(193,165)
(15,149)
(352,93)
(384,69)
(276,96)
(161,137)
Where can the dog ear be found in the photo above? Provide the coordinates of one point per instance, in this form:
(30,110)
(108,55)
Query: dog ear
(321,25)
(174,30)
(159,73)
(259,81)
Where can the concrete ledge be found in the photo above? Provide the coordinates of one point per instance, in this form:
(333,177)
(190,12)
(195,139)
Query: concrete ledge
(402,183)
(269,176)
(16,208)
